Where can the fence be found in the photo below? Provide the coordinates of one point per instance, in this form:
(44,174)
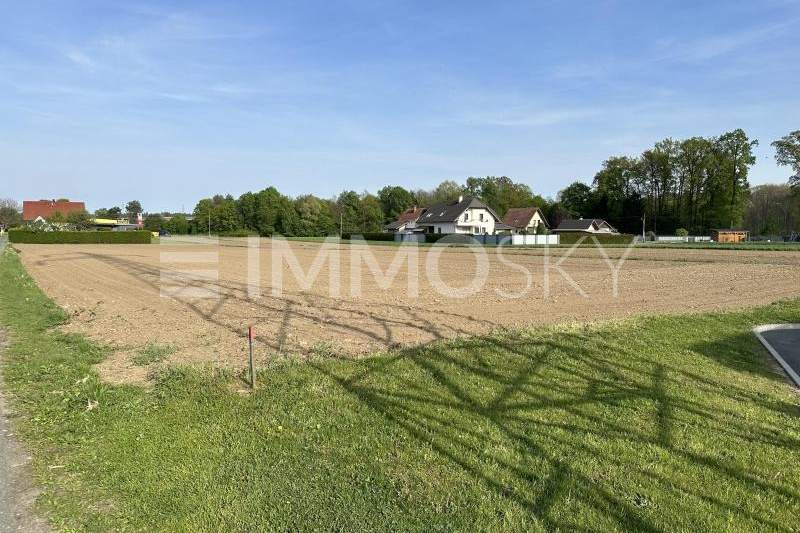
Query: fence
(409,237)
(535,240)
(688,238)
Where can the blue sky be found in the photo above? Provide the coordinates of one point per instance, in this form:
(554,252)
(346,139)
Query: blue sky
(169,102)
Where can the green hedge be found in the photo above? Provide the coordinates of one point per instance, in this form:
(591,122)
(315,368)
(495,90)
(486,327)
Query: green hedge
(369,236)
(79,237)
(452,238)
(572,238)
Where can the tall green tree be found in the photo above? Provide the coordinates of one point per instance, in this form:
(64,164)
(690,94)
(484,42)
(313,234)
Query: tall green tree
(154,222)
(394,200)
(348,207)
(787,153)
(693,158)
(133,208)
(315,217)
(736,152)
(177,225)
(371,214)
(614,184)
(10,213)
(79,220)
(577,199)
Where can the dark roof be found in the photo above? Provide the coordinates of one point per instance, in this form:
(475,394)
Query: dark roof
(409,215)
(32,209)
(450,211)
(730,229)
(520,217)
(582,224)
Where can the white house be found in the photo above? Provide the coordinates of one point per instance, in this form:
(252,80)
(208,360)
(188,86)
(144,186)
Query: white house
(464,216)
(525,220)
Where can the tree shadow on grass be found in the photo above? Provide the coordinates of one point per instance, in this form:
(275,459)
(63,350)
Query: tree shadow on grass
(563,428)
(741,352)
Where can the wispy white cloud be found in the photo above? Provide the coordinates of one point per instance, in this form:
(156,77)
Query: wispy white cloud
(530,118)
(79,58)
(714,46)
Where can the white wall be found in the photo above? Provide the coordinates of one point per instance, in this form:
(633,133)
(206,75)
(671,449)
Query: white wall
(473,221)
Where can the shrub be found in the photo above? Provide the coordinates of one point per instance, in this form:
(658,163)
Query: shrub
(452,238)
(79,237)
(369,236)
(681,232)
(238,233)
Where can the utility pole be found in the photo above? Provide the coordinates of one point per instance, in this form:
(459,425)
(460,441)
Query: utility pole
(644,216)
(341,225)
(209,223)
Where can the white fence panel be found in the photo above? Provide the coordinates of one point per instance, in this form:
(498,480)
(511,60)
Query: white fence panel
(535,240)
(409,237)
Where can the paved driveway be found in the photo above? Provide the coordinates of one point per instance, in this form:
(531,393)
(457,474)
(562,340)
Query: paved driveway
(783,342)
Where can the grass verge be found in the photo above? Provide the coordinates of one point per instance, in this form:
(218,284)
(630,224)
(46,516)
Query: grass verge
(153,353)
(650,424)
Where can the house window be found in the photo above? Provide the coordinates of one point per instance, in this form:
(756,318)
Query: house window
(466,217)
(480,217)
(438,230)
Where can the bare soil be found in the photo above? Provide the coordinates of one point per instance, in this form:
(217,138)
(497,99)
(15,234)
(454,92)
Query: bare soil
(124,295)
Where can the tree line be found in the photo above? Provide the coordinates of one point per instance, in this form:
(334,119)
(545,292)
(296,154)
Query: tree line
(268,211)
(693,185)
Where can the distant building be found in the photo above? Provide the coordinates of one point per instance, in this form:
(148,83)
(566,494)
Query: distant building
(524,220)
(729,235)
(585,225)
(465,216)
(406,222)
(33,209)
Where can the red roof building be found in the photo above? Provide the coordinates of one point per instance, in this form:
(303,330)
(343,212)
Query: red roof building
(33,209)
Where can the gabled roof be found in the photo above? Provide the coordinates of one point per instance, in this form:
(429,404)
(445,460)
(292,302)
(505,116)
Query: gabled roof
(579,224)
(409,215)
(451,211)
(520,217)
(583,224)
(31,209)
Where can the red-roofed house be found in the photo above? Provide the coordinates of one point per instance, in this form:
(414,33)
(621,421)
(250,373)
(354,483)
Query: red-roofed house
(406,221)
(33,209)
(524,220)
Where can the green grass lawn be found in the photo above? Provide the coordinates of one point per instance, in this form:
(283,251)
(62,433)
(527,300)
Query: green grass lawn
(651,424)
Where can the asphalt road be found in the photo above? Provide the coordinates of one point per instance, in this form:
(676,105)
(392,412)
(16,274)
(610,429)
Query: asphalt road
(17,491)
(787,343)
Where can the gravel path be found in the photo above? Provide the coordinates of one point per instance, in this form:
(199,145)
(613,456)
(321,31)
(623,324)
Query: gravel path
(17,492)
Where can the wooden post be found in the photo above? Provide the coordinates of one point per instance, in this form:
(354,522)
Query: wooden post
(250,337)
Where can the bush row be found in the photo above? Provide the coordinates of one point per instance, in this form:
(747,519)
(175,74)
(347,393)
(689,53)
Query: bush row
(572,238)
(79,237)
(369,236)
